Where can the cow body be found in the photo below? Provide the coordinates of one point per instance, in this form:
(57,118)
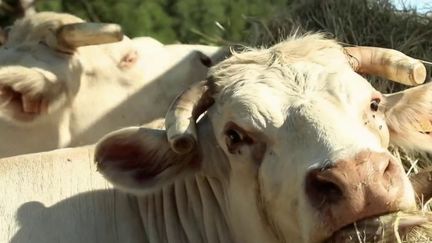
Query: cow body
(58,196)
(52,98)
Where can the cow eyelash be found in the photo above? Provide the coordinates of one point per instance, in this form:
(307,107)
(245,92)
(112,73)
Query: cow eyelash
(6,31)
(43,43)
(374,105)
(235,137)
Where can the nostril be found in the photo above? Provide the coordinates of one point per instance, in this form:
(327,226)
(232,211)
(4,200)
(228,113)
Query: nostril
(390,167)
(321,190)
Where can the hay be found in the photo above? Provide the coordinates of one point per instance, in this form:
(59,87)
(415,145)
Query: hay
(396,227)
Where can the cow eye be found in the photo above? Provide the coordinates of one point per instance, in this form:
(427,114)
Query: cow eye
(236,137)
(374,105)
(43,43)
(233,137)
(6,31)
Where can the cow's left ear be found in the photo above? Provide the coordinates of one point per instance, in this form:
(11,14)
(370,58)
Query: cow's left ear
(421,183)
(128,60)
(409,118)
(139,160)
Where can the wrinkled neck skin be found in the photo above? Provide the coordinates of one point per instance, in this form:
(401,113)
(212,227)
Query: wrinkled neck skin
(208,206)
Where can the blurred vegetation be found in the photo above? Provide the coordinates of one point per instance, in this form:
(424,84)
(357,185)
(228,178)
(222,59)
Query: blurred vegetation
(252,22)
(204,21)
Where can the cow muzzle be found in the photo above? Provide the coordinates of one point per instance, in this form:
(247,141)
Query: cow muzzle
(368,185)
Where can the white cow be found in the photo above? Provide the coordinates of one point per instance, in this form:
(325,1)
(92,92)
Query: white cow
(292,147)
(58,196)
(62,83)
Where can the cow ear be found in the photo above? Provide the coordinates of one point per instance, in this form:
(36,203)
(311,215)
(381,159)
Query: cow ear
(409,118)
(29,93)
(138,160)
(422,185)
(129,60)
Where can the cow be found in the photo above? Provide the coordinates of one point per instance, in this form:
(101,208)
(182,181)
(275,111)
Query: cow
(281,144)
(65,82)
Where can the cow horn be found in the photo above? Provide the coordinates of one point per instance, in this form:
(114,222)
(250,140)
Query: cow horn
(182,114)
(386,63)
(71,36)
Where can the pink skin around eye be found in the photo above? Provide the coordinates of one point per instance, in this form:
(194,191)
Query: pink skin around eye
(376,96)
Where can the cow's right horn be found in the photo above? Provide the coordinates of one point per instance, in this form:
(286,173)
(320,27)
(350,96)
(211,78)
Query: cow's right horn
(71,36)
(386,63)
(182,114)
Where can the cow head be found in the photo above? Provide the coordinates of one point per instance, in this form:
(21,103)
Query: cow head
(297,139)
(45,56)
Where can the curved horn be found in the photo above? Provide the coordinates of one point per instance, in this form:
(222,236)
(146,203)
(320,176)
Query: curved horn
(182,114)
(386,63)
(71,36)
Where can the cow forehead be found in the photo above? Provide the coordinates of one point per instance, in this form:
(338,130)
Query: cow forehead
(263,83)
(262,97)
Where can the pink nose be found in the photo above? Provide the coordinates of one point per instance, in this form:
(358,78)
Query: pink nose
(350,190)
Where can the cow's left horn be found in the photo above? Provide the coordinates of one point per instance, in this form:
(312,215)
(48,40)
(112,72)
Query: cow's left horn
(182,114)
(71,36)
(386,63)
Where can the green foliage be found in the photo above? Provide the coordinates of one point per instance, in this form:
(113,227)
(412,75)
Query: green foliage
(250,21)
(188,21)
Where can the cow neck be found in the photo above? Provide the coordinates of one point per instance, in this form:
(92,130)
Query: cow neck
(190,210)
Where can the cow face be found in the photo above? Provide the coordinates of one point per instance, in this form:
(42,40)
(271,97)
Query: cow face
(297,139)
(315,144)
(314,133)
(42,64)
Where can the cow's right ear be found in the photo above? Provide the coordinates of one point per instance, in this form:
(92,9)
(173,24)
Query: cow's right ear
(409,118)
(139,160)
